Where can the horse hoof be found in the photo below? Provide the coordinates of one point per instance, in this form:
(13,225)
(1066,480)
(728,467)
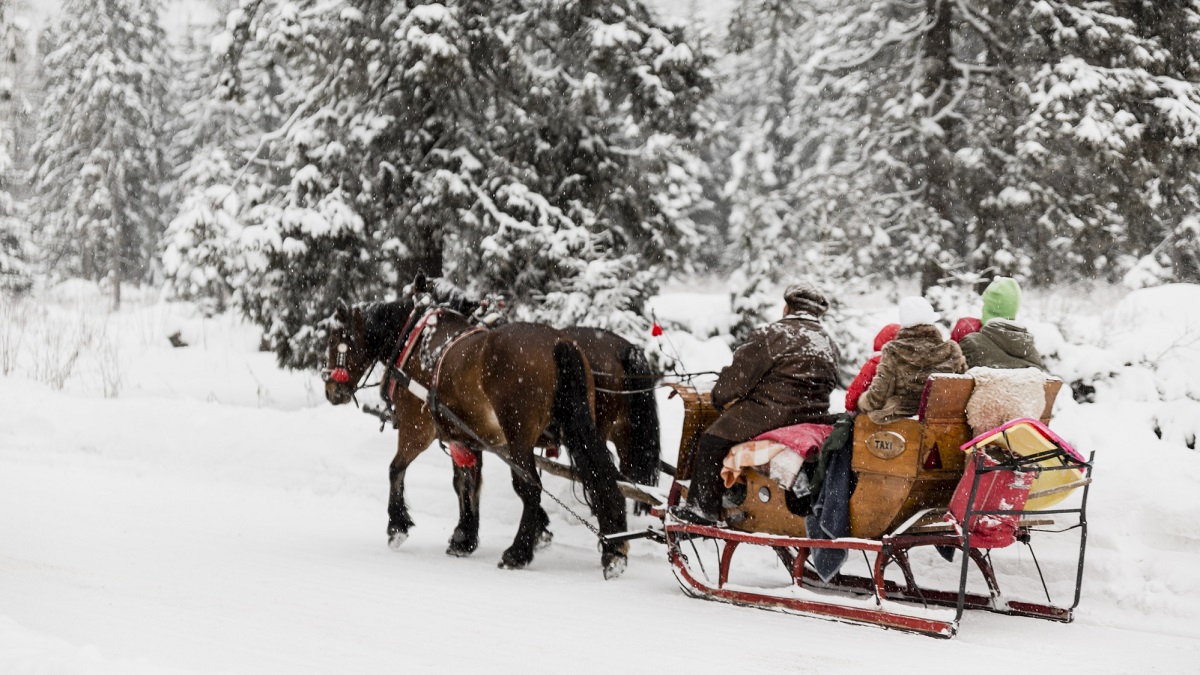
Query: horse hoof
(614,566)
(396,540)
(461,549)
(544,540)
(514,561)
(456,551)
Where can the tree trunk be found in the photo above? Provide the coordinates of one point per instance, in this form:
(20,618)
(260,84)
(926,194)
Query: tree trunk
(115,271)
(89,259)
(118,244)
(939,76)
(427,253)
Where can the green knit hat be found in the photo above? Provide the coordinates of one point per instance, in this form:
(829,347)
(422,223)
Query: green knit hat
(1001,299)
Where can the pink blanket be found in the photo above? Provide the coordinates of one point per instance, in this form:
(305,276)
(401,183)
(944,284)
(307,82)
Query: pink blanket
(805,439)
(802,439)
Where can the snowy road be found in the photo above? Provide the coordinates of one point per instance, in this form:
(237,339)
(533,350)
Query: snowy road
(178,536)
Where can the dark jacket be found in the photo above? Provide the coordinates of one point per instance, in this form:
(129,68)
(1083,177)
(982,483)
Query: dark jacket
(1001,344)
(905,365)
(781,375)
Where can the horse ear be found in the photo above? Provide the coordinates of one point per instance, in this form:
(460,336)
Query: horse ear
(420,284)
(342,312)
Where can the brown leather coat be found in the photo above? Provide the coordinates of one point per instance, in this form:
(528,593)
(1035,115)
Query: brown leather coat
(781,375)
(907,361)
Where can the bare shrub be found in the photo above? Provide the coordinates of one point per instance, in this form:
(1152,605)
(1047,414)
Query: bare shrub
(108,358)
(13,320)
(55,352)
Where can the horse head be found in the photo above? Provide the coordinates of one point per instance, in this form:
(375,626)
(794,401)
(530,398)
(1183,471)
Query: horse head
(348,355)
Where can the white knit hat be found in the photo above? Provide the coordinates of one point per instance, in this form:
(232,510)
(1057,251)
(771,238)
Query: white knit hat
(915,311)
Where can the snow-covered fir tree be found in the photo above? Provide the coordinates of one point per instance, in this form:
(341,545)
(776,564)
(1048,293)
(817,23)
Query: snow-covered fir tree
(15,250)
(216,135)
(1047,139)
(1107,162)
(538,149)
(99,176)
(15,274)
(770,44)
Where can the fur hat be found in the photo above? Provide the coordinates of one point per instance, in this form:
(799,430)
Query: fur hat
(1001,300)
(915,311)
(805,297)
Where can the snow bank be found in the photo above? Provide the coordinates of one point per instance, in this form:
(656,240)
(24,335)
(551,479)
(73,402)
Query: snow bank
(67,340)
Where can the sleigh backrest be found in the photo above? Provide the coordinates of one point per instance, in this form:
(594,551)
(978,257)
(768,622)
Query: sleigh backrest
(945,398)
(912,464)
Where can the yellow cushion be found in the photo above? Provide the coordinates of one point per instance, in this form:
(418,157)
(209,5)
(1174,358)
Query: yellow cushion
(1024,439)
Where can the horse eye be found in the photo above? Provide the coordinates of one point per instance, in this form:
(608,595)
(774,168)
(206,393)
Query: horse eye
(343,348)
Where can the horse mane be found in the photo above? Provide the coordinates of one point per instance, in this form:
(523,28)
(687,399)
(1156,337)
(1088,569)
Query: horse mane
(384,321)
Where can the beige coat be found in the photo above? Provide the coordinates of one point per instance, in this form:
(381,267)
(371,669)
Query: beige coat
(906,363)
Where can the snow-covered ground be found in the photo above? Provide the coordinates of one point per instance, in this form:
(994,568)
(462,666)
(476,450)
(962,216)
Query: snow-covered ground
(197,510)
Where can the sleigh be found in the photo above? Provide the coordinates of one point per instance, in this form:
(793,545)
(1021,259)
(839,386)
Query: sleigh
(921,483)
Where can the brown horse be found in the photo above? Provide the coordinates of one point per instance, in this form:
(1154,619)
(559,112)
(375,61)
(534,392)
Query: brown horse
(502,390)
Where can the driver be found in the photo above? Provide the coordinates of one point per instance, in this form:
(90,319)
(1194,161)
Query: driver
(781,375)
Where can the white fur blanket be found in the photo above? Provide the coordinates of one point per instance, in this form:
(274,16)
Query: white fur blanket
(1004,395)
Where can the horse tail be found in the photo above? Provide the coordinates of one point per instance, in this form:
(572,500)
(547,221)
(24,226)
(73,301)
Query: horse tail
(643,416)
(572,416)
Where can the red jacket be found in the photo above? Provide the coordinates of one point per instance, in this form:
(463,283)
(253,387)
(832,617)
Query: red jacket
(862,381)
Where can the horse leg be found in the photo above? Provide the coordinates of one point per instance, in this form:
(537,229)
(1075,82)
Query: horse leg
(416,433)
(545,537)
(528,487)
(589,454)
(630,470)
(467,483)
(599,478)
(399,521)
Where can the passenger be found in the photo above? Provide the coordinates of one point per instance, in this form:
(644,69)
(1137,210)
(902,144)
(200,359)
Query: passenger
(964,327)
(1001,343)
(781,375)
(867,373)
(918,351)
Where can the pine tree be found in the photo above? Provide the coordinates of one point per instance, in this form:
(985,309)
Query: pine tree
(796,183)
(536,149)
(215,138)
(15,252)
(1047,139)
(1115,92)
(100,169)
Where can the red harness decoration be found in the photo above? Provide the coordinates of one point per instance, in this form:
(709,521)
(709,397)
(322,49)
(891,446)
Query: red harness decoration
(408,348)
(463,458)
(340,375)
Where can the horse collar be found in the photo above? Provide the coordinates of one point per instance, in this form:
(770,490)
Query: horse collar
(430,319)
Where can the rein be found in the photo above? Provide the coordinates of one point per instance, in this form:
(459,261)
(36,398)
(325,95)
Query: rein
(683,377)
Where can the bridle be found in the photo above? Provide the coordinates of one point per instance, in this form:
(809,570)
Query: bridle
(339,373)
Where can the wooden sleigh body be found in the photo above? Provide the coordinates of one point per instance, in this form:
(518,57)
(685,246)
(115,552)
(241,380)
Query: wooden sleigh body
(908,472)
